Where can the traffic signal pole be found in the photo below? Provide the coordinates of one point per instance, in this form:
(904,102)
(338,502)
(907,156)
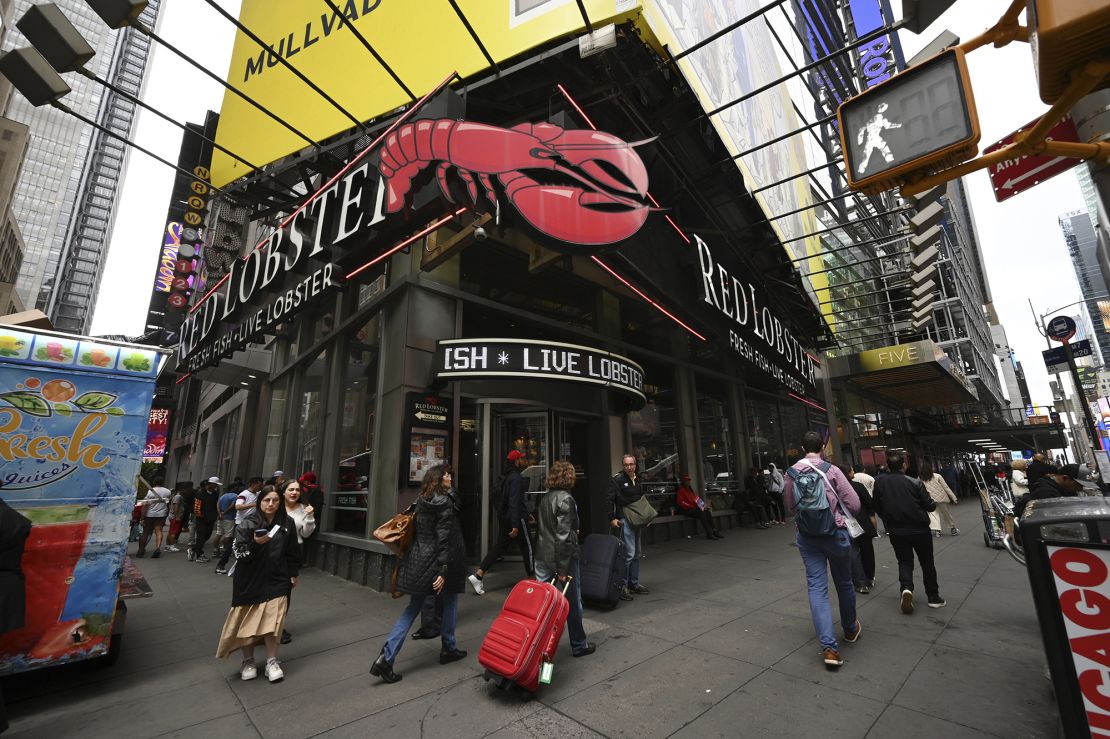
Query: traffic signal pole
(1092,429)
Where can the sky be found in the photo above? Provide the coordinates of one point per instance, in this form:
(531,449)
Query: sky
(1022,245)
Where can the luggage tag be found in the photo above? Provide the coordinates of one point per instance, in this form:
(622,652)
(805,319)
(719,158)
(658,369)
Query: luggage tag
(545,672)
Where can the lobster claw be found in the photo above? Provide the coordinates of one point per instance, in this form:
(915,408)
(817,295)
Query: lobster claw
(573,215)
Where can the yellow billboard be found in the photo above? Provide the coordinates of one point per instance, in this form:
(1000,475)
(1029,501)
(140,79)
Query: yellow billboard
(422,42)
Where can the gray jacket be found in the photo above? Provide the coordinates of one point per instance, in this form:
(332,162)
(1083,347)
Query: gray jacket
(557,545)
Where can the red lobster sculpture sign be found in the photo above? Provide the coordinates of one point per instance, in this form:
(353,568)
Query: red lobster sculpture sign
(581,187)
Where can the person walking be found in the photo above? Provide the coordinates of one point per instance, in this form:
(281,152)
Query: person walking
(304,524)
(948,472)
(225,527)
(156,506)
(863,554)
(205,513)
(943,496)
(820,497)
(176,519)
(311,492)
(557,548)
(776,483)
(904,506)
(512,525)
(434,563)
(245,502)
(266,568)
(624,489)
(692,505)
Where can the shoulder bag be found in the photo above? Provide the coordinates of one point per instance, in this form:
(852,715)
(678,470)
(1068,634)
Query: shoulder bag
(640,513)
(397,532)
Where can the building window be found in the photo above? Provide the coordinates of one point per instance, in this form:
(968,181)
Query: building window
(309,413)
(356,435)
(718,459)
(654,432)
(764,431)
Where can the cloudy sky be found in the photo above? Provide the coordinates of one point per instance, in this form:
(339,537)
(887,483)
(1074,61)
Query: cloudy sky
(1024,251)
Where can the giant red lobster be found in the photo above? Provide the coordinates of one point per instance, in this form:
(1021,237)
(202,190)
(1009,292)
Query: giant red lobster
(581,187)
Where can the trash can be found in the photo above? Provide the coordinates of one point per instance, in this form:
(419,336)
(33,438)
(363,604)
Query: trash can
(1066,543)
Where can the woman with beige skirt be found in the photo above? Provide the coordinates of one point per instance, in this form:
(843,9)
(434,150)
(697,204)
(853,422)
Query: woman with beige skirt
(943,496)
(267,558)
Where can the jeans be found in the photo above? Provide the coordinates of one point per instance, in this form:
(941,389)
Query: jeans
(202,529)
(835,552)
(921,544)
(396,638)
(545,572)
(631,536)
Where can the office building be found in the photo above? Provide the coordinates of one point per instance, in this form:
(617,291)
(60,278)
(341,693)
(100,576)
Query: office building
(1082,243)
(65,201)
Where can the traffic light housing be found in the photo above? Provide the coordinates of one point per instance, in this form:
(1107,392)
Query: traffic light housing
(1066,34)
(918,121)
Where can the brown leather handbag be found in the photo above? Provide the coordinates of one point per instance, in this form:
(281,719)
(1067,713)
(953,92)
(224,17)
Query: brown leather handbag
(397,532)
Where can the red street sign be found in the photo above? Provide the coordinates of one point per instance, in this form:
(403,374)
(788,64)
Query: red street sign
(1013,176)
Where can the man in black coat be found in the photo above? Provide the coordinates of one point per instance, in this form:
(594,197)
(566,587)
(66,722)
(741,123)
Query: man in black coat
(1051,485)
(904,505)
(205,515)
(512,525)
(624,489)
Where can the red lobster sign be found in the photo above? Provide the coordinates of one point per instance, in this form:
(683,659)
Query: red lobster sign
(580,187)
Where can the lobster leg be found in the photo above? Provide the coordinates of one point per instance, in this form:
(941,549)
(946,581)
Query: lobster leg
(471,188)
(441,175)
(488,184)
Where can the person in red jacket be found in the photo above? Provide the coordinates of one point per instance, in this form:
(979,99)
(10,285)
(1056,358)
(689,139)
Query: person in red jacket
(691,504)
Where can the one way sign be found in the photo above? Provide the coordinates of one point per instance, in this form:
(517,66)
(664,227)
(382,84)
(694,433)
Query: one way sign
(1013,176)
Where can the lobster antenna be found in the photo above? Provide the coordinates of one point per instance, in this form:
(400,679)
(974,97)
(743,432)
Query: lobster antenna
(603,147)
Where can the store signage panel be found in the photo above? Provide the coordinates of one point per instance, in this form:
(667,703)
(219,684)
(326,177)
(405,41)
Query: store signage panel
(427,435)
(753,330)
(1056,359)
(547,360)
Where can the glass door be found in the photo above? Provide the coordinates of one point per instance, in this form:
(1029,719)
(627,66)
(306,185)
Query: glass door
(576,443)
(526,432)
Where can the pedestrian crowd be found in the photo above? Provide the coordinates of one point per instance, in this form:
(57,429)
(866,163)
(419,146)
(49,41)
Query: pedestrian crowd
(258,530)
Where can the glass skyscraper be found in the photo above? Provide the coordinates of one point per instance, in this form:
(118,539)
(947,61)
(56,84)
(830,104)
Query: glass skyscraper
(65,200)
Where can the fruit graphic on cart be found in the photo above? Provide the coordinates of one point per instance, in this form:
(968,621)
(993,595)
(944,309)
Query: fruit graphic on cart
(58,391)
(10,346)
(97,358)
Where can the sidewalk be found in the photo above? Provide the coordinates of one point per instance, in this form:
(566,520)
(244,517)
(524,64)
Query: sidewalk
(723,646)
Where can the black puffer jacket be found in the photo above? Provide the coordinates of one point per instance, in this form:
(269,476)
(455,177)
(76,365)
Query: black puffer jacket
(263,571)
(902,503)
(437,548)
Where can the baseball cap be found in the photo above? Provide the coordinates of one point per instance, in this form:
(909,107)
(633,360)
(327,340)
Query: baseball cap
(514,455)
(214,480)
(1075,471)
(279,473)
(686,478)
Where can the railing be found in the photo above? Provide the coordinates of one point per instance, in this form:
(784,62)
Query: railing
(978,418)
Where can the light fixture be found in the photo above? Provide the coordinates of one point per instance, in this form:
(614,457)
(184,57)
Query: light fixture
(253,377)
(978,440)
(244,384)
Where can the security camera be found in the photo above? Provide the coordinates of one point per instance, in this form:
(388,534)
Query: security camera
(480,234)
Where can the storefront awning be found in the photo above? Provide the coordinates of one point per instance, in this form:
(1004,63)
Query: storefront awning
(914,375)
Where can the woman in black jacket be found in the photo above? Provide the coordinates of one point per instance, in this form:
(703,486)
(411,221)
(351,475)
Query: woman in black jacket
(434,564)
(863,556)
(267,558)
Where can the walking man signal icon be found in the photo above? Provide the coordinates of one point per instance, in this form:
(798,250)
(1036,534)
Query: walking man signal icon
(870,137)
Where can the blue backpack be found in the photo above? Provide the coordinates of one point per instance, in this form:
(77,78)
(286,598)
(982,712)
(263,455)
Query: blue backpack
(811,504)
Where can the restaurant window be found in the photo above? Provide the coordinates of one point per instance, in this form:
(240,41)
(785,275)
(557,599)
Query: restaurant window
(795,424)
(718,459)
(654,432)
(764,431)
(228,444)
(356,435)
(276,430)
(309,412)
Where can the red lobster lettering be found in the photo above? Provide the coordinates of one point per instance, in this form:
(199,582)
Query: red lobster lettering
(588,189)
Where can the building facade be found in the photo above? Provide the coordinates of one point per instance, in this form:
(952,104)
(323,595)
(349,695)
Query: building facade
(65,202)
(1080,238)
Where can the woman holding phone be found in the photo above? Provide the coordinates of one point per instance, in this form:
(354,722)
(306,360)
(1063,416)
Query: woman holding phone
(434,564)
(267,558)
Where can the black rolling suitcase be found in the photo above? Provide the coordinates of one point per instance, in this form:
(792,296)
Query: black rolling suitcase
(602,570)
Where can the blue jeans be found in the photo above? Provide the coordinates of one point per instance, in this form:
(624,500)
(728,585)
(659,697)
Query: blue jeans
(836,553)
(396,638)
(631,536)
(545,572)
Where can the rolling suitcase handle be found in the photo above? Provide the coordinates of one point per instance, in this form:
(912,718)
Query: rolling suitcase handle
(553,640)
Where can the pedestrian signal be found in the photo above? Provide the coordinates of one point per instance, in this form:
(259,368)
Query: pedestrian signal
(918,121)
(1065,35)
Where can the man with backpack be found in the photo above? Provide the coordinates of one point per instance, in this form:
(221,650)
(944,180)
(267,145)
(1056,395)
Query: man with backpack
(904,505)
(512,523)
(822,500)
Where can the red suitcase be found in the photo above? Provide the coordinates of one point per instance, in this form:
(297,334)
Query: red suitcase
(525,634)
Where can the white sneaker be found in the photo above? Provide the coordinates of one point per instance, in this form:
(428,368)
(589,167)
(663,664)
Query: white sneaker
(249,671)
(172,548)
(476,583)
(273,671)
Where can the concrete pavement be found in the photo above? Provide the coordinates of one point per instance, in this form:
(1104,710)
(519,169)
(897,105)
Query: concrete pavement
(723,646)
